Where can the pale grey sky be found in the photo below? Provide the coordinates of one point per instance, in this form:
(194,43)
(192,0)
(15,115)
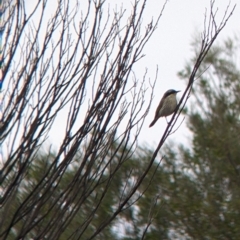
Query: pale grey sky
(169,48)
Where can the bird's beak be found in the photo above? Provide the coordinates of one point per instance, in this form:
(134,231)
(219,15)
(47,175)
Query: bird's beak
(178,91)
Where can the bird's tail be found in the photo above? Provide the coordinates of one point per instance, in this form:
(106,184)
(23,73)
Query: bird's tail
(153,122)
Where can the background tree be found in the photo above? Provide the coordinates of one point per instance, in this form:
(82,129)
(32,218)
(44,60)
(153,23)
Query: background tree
(81,64)
(195,193)
(213,161)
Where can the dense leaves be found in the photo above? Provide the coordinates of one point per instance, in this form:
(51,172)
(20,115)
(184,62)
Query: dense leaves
(200,183)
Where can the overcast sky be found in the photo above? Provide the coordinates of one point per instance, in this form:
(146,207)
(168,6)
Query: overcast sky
(169,48)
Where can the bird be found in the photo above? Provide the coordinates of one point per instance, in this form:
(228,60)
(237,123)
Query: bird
(166,106)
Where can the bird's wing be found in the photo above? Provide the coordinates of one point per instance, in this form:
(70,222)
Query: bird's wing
(157,113)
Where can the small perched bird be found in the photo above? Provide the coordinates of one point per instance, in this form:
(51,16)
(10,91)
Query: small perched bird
(166,106)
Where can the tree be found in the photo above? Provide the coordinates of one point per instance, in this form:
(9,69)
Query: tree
(77,63)
(195,193)
(213,161)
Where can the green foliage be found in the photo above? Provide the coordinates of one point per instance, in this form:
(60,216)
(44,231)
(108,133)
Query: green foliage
(197,187)
(192,193)
(206,201)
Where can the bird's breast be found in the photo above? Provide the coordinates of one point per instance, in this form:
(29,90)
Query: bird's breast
(169,106)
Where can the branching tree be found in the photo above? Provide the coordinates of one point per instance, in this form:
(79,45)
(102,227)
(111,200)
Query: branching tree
(77,67)
(198,185)
(195,193)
